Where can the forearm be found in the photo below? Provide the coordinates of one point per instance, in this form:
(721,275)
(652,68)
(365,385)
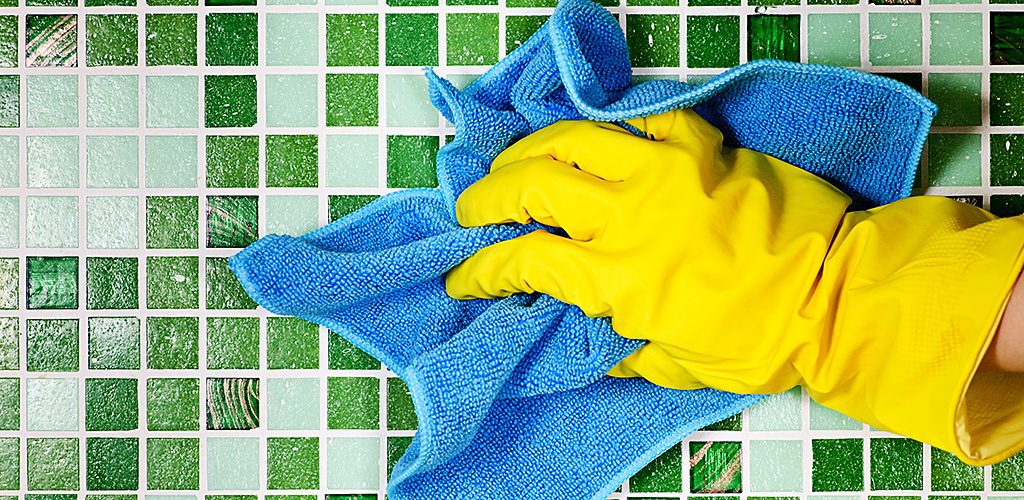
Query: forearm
(1006,352)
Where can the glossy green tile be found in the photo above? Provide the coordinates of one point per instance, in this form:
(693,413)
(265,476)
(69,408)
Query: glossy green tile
(232,463)
(837,464)
(172,282)
(232,161)
(232,221)
(10,344)
(232,343)
(958,96)
(291,160)
(291,101)
(10,159)
(732,423)
(948,473)
(292,343)
(780,412)
(401,414)
(776,465)
(342,355)
(410,39)
(52,404)
(172,222)
(52,464)
(112,283)
(1007,97)
(51,221)
(10,463)
(172,404)
(351,160)
(663,474)
(52,161)
(1006,30)
(172,161)
(1007,157)
(231,39)
(956,39)
(51,100)
(293,215)
(896,464)
(954,160)
(10,94)
(351,100)
(171,39)
(111,40)
(895,39)
(112,101)
(10,406)
(172,343)
(715,466)
(1008,475)
(230,101)
(172,463)
(653,39)
(396,448)
(518,29)
(292,39)
(223,291)
(340,206)
(293,404)
(293,463)
(172,101)
(114,343)
(8,41)
(9,287)
(353,463)
(51,345)
(411,161)
(112,463)
(472,39)
(353,403)
(720,46)
(111,404)
(773,37)
(352,39)
(51,40)
(232,403)
(112,161)
(52,282)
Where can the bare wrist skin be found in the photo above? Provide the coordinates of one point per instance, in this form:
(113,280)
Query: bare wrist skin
(1006,352)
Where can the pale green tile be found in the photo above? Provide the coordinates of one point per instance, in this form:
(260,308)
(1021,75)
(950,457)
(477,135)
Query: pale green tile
(293,214)
(172,161)
(353,463)
(113,101)
(10,221)
(51,221)
(779,412)
(292,39)
(9,161)
(408,102)
(232,463)
(351,161)
(112,222)
(895,39)
(833,39)
(293,404)
(827,419)
(291,100)
(776,465)
(52,100)
(52,404)
(172,101)
(112,161)
(956,39)
(52,161)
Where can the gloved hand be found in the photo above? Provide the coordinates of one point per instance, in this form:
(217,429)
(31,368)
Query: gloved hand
(746,274)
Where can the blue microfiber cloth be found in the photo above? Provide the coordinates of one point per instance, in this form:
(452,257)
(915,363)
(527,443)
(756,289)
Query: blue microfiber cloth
(511,395)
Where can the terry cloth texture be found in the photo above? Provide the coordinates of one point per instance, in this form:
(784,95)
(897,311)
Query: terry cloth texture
(511,395)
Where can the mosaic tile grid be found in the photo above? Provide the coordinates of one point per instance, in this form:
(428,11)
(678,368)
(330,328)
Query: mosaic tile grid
(143,143)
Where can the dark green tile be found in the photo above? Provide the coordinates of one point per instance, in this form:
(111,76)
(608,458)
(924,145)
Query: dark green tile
(1007,158)
(339,206)
(112,282)
(716,467)
(410,39)
(112,463)
(353,403)
(958,96)
(51,345)
(653,39)
(342,355)
(1008,475)
(51,40)
(518,29)
(837,465)
(232,221)
(111,404)
(897,464)
(171,39)
(10,96)
(172,463)
(230,101)
(1007,92)
(232,343)
(172,343)
(231,39)
(411,161)
(773,37)
(720,41)
(712,3)
(352,39)
(232,403)
(663,474)
(230,2)
(292,161)
(111,40)
(292,343)
(1007,37)
(293,463)
(172,222)
(733,423)
(232,161)
(172,404)
(949,473)
(52,282)
(351,100)
(396,448)
(401,413)
(223,291)
(52,463)
(171,2)
(472,39)
(1007,205)
(172,282)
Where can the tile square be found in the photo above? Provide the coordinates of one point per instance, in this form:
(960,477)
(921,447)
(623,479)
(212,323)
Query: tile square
(8,41)
(410,39)
(351,161)
(353,403)
(52,464)
(172,404)
(111,404)
(171,39)
(663,474)
(291,100)
(10,344)
(956,39)
(518,29)
(232,221)
(232,403)
(52,283)
(837,465)
(1004,165)
(291,160)
(780,412)
(351,100)
(51,40)
(10,463)
(353,463)
(1007,97)
(232,343)
(112,161)
(172,463)
(411,161)
(112,101)
(396,448)
(401,413)
(114,343)
(293,404)
(9,293)
(954,160)
(342,205)
(112,282)
(52,161)
(342,355)
(232,463)
(958,96)
(111,463)
(472,39)
(720,41)
(172,161)
(172,222)
(10,405)
(10,160)
(232,161)
(172,343)
(776,465)
(293,463)
(896,464)
(231,39)
(51,100)
(1006,30)
(10,223)
(223,291)
(653,39)
(825,419)
(1006,475)
(292,39)
(111,40)
(10,92)
(172,101)
(293,215)
(172,282)
(948,473)
(733,423)
(352,39)
(895,39)
(409,102)
(51,405)
(112,222)
(292,344)
(715,466)
(230,101)
(773,37)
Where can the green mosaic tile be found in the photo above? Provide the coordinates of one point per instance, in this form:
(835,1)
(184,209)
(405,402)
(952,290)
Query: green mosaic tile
(231,40)
(518,29)
(773,37)
(401,414)
(171,39)
(172,404)
(776,465)
(351,100)
(292,39)
(956,39)
(411,161)
(52,404)
(52,161)
(353,403)
(111,40)
(954,160)
(10,405)
(353,463)
(342,355)
(292,343)
(291,160)
(733,423)
(51,40)
(112,463)
(472,39)
(230,101)
(8,41)
(112,161)
(9,286)
(112,282)
(1007,156)
(232,463)
(721,41)
(9,344)
(291,101)
(51,345)
(172,282)
(715,466)
(172,101)
(410,39)
(112,101)
(9,101)
(9,158)
(838,465)
(52,282)
(51,221)
(232,161)
(172,343)
(172,222)
(896,464)
(112,222)
(172,161)
(232,343)
(781,412)
(293,463)
(653,39)
(232,221)
(1007,37)
(223,291)
(958,96)
(293,215)
(1007,94)
(1008,475)
(948,473)
(663,474)
(52,463)
(10,460)
(895,39)
(111,404)
(172,464)
(352,39)
(232,403)
(293,404)
(396,448)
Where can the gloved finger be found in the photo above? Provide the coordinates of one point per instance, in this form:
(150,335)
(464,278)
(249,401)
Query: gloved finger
(541,189)
(679,126)
(602,149)
(535,262)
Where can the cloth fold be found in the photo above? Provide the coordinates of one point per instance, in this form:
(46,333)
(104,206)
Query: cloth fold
(511,396)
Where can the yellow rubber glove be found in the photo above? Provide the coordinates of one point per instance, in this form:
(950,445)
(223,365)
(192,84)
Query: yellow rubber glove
(746,274)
